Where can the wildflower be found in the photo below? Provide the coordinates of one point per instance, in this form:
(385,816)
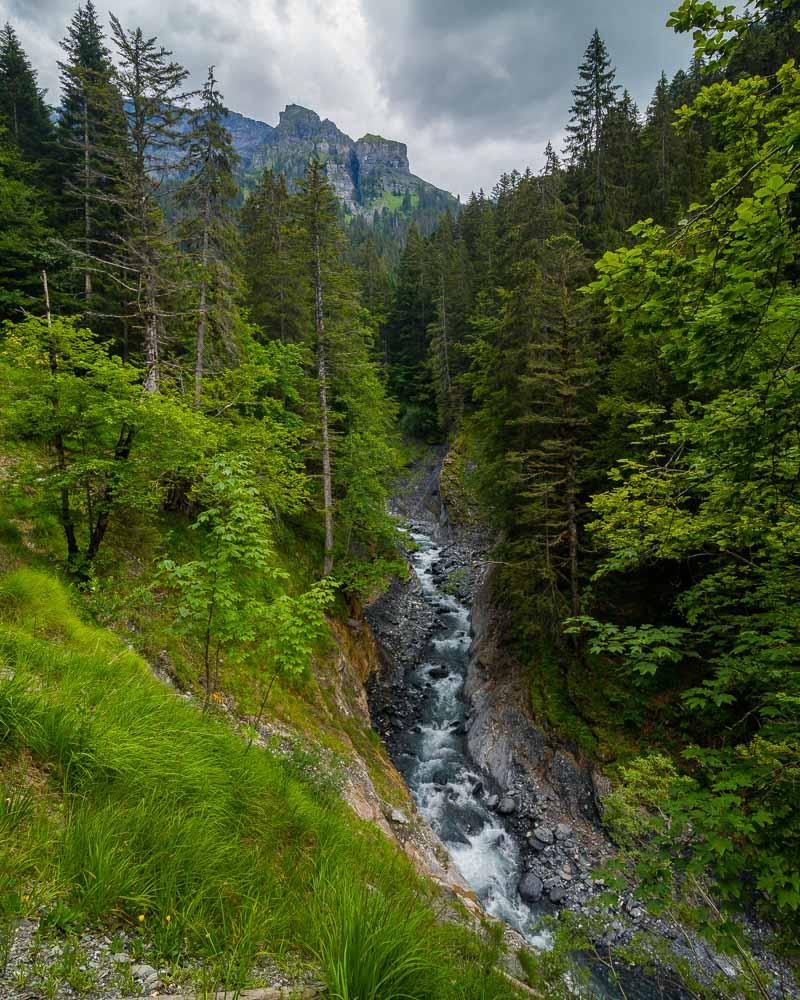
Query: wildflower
(168,918)
(141,918)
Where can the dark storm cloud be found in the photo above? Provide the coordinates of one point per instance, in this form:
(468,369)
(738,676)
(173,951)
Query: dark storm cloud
(473,86)
(512,63)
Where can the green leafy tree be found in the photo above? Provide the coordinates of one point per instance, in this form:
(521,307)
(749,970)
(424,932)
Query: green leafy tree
(110,451)
(711,487)
(226,597)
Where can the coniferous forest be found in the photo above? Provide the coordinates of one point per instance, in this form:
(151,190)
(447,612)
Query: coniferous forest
(209,393)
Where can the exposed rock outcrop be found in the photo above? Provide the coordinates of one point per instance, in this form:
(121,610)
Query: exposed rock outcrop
(366,174)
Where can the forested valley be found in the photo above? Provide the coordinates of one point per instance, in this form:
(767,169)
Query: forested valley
(209,392)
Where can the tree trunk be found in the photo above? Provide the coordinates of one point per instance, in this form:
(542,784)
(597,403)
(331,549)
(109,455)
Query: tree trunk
(322,377)
(87,221)
(67,523)
(445,345)
(152,379)
(572,516)
(105,502)
(200,345)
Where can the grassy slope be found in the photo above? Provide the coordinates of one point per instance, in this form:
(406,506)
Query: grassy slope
(122,804)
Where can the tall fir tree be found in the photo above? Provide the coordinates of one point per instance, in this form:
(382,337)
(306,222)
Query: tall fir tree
(26,241)
(594,98)
(150,83)
(274,288)
(407,337)
(206,199)
(93,145)
(23,111)
(559,382)
(316,216)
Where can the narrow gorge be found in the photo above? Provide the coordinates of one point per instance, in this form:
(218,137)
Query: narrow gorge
(518,811)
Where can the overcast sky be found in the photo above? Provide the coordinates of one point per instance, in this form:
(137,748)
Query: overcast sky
(474,87)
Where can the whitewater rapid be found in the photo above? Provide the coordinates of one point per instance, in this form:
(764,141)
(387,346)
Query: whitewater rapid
(450,791)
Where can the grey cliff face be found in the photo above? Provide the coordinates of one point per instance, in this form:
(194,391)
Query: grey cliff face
(366,174)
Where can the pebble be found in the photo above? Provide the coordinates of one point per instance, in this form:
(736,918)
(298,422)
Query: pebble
(507,806)
(544,834)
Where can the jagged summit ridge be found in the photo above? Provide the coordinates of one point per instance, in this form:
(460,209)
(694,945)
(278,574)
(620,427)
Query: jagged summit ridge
(367,173)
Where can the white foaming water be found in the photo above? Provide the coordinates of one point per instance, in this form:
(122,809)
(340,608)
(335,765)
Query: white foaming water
(449,791)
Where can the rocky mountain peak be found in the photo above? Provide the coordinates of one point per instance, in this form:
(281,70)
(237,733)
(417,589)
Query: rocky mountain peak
(367,175)
(376,153)
(299,123)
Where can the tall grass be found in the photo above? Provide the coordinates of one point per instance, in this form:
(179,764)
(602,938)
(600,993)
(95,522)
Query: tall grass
(156,816)
(371,946)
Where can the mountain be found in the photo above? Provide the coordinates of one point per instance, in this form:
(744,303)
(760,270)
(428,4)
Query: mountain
(369,174)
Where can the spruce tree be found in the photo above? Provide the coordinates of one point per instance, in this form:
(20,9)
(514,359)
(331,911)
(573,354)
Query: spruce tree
(407,336)
(595,96)
(26,241)
(206,199)
(92,142)
(447,332)
(150,84)
(622,155)
(660,141)
(316,215)
(559,381)
(23,111)
(274,290)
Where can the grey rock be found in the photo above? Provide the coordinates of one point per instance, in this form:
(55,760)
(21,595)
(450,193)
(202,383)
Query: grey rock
(143,971)
(398,817)
(530,888)
(556,894)
(121,957)
(493,802)
(563,831)
(544,833)
(507,806)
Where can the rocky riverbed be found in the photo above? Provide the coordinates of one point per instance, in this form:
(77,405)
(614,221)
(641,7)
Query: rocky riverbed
(518,810)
